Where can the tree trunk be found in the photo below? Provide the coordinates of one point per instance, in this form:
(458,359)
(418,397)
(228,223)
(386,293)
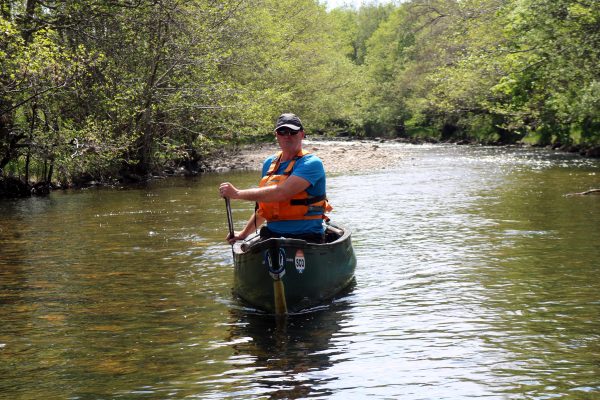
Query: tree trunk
(29,20)
(8,139)
(50,171)
(27,161)
(144,118)
(31,128)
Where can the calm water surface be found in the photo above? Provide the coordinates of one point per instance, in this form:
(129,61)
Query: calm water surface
(476,278)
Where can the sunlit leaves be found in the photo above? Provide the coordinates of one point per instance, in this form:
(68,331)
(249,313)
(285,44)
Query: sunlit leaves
(527,64)
(149,83)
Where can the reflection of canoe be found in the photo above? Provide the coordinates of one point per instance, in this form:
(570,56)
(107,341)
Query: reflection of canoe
(302,344)
(304,274)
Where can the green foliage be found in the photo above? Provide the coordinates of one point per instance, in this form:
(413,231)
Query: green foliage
(488,68)
(98,88)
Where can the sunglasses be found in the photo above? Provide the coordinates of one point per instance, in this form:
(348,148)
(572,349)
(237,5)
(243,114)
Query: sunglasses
(286,132)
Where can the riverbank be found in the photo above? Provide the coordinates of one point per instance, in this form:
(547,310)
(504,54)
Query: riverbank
(338,156)
(344,156)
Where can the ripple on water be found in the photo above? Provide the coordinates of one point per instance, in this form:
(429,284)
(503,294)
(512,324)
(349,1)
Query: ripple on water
(475,278)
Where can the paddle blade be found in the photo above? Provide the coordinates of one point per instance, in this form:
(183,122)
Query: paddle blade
(279,297)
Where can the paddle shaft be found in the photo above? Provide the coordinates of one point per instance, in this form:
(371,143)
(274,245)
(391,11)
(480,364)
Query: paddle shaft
(229,221)
(229,218)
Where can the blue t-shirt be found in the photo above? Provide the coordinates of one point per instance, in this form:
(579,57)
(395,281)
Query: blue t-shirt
(309,167)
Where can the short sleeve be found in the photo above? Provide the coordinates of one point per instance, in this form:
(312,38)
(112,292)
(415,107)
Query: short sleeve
(310,167)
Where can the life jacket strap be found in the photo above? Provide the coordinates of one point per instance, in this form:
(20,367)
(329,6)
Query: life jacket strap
(277,160)
(307,201)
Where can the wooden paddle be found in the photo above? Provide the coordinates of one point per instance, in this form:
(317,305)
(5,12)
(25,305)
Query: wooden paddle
(278,288)
(280,304)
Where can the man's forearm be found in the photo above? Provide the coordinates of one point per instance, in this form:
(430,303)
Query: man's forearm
(265,194)
(253,224)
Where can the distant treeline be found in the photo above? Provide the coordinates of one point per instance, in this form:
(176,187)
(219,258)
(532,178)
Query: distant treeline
(103,89)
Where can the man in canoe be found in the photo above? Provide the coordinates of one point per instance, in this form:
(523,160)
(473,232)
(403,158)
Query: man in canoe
(291,194)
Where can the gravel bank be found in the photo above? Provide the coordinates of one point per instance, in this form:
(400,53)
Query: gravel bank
(338,156)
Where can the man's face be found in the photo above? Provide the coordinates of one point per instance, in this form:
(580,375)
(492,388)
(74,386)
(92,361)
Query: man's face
(289,139)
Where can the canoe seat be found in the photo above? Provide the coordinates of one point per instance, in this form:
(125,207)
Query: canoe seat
(332,234)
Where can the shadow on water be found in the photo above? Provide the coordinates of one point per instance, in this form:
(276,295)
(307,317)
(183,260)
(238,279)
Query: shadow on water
(290,354)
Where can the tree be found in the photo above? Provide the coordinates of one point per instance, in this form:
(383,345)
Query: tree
(140,85)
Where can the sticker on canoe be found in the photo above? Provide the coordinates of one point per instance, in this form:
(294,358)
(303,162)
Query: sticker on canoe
(268,261)
(281,258)
(299,261)
(278,271)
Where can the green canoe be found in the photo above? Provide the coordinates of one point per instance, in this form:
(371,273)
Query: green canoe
(281,275)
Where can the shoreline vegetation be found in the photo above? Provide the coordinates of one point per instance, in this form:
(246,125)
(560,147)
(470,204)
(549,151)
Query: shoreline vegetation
(339,155)
(119,92)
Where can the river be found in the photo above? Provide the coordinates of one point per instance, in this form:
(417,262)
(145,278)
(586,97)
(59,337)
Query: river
(476,278)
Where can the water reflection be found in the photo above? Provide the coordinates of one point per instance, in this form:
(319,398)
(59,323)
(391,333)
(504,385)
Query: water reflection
(289,358)
(536,278)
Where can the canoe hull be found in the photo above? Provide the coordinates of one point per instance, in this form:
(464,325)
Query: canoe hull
(311,273)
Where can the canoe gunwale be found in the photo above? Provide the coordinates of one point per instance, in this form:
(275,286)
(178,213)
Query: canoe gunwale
(254,243)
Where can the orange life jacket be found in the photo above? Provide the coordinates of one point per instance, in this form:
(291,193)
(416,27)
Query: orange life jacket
(301,206)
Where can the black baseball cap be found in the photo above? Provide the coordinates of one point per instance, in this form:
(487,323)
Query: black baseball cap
(288,120)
